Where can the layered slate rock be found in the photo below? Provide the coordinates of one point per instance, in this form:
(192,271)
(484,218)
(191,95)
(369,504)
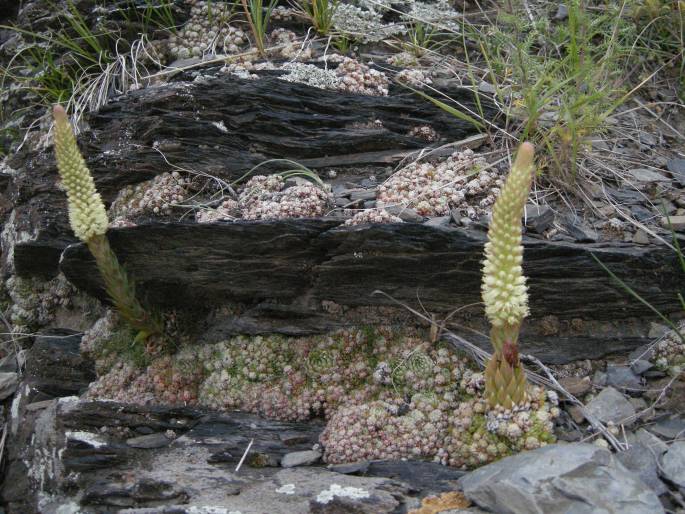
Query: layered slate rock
(580,478)
(71,455)
(55,366)
(189,265)
(285,271)
(222,127)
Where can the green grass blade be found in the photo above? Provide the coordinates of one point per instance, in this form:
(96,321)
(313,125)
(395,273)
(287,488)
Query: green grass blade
(449,109)
(635,295)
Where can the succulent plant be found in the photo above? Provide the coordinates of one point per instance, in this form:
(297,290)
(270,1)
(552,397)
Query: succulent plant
(88,220)
(504,286)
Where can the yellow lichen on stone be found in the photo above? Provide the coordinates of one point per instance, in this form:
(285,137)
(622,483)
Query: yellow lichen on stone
(442,503)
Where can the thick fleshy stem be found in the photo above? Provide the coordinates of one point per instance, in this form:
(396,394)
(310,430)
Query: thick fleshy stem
(88,219)
(504,286)
(121,290)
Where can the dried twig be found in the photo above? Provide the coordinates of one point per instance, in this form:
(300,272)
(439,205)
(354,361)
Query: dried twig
(242,459)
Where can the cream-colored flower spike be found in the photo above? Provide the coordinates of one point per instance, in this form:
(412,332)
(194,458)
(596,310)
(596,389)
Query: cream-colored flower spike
(87,214)
(504,286)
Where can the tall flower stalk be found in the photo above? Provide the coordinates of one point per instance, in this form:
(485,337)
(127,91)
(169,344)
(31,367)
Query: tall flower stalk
(88,220)
(504,286)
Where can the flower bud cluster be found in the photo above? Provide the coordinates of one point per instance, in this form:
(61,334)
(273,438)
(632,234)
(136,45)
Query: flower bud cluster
(87,215)
(207,32)
(358,78)
(504,286)
(433,189)
(369,216)
(152,197)
(268,198)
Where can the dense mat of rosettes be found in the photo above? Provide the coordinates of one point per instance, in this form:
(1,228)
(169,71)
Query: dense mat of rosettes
(207,32)
(432,189)
(386,393)
(461,183)
(669,351)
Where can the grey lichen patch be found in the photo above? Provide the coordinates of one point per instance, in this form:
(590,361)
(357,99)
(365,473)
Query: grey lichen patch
(350,76)
(344,492)
(364,25)
(440,13)
(311,75)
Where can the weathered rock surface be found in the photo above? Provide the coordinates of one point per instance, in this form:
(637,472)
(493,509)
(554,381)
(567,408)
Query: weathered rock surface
(78,455)
(670,427)
(285,260)
(55,366)
(133,138)
(295,265)
(642,460)
(8,384)
(304,458)
(579,478)
(611,406)
(673,464)
(283,271)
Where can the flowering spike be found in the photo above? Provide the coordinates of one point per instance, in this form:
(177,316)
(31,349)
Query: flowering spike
(87,214)
(504,286)
(88,219)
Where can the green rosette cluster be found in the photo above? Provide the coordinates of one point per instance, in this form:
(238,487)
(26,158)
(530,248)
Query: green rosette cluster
(504,287)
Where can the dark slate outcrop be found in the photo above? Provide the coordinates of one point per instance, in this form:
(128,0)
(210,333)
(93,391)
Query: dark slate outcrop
(285,271)
(55,366)
(191,266)
(80,455)
(223,127)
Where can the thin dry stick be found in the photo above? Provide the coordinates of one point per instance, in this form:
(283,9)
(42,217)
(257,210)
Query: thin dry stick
(2,442)
(242,459)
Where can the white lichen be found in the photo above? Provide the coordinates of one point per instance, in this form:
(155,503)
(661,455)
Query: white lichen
(286,489)
(338,490)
